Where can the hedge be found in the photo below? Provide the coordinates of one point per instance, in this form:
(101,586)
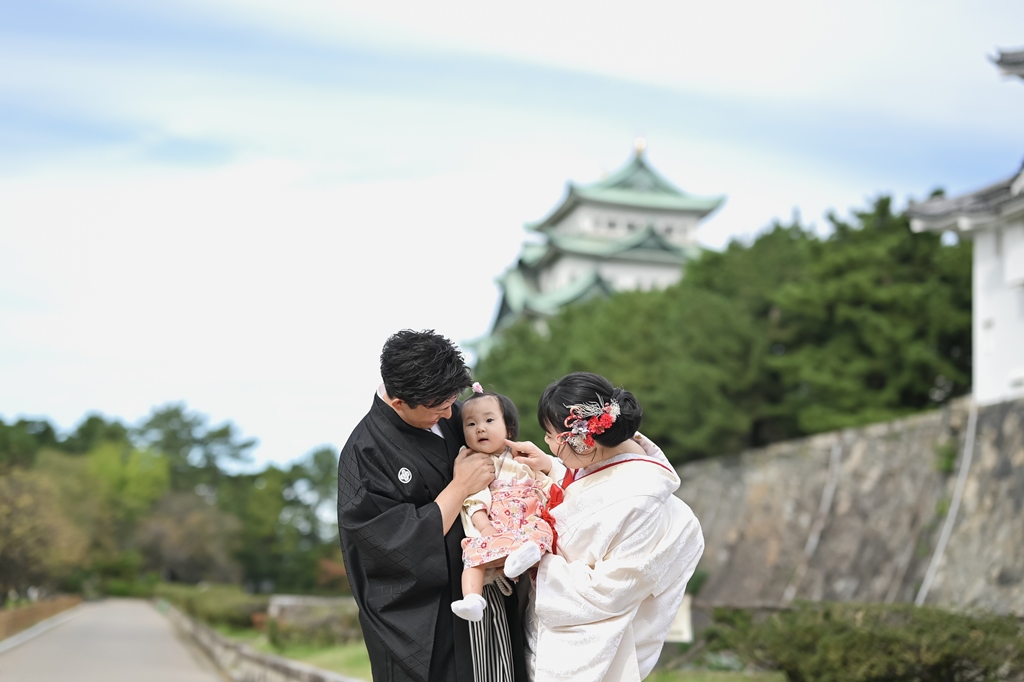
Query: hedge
(849,642)
(215,604)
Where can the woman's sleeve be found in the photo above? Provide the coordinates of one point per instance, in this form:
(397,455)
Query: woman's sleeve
(647,549)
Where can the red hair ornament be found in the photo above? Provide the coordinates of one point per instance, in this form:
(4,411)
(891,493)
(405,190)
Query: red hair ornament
(587,420)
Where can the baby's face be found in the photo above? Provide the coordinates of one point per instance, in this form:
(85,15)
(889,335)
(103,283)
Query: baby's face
(483,425)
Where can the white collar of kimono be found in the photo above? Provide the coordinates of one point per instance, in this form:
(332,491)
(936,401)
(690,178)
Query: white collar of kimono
(619,459)
(383,395)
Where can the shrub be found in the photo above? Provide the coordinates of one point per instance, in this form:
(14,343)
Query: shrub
(335,621)
(143,587)
(874,643)
(215,604)
(945,458)
(696,582)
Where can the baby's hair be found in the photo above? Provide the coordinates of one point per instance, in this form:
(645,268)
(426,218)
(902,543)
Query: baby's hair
(508,411)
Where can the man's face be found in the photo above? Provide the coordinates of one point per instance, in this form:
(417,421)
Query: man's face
(421,416)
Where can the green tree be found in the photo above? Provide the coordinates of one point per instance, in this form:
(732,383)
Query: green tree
(92,431)
(18,445)
(687,354)
(785,335)
(284,527)
(196,451)
(105,494)
(880,327)
(750,274)
(38,544)
(128,480)
(188,539)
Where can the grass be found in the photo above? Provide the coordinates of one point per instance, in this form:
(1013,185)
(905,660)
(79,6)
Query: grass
(351,660)
(243,635)
(347,659)
(712,676)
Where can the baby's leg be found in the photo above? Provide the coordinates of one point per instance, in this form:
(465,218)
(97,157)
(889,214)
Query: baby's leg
(473,580)
(521,558)
(472,604)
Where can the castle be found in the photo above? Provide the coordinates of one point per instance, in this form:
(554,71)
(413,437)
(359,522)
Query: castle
(631,230)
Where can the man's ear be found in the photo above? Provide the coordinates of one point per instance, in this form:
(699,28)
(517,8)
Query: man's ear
(398,404)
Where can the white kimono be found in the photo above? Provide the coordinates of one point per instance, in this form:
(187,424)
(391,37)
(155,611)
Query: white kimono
(626,548)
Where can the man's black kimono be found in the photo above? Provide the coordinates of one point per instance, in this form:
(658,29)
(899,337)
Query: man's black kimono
(404,573)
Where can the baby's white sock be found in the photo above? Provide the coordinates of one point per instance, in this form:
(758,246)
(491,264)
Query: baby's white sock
(518,560)
(471,607)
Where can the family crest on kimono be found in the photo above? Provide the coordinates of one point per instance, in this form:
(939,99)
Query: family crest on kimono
(506,523)
(626,547)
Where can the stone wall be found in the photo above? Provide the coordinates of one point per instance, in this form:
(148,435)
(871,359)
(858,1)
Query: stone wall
(241,663)
(856,514)
(315,620)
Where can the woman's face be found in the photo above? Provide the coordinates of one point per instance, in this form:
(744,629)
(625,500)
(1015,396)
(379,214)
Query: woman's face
(564,452)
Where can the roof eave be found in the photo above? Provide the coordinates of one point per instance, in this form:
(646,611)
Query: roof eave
(567,204)
(704,206)
(969,222)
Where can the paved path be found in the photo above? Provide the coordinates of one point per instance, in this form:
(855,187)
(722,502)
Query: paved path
(117,640)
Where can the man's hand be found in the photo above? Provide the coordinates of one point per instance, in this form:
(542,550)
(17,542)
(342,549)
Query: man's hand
(473,471)
(530,455)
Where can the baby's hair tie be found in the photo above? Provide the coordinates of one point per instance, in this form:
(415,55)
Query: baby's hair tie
(477,388)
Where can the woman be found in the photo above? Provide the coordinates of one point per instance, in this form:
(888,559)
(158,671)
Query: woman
(625,545)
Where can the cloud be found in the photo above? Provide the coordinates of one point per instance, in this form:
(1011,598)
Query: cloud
(235,203)
(813,53)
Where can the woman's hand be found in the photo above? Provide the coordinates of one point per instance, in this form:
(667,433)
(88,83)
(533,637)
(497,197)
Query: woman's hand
(530,455)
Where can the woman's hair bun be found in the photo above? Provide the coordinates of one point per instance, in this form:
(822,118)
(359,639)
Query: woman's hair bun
(630,414)
(585,387)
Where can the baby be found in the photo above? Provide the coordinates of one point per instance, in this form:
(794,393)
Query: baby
(503,521)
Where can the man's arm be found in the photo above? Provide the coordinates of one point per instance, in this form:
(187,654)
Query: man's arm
(473,471)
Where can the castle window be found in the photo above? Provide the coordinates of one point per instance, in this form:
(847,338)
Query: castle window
(611,224)
(631,226)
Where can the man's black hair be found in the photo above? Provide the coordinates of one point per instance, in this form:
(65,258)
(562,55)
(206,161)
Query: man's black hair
(423,368)
(509,412)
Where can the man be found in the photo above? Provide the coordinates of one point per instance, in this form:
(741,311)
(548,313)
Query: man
(402,478)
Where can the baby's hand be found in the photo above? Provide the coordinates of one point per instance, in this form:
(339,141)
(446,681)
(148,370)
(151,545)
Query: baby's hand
(487,530)
(530,455)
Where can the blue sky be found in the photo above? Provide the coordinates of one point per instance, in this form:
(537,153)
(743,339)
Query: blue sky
(233,202)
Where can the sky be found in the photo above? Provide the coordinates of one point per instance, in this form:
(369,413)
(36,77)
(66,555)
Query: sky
(233,203)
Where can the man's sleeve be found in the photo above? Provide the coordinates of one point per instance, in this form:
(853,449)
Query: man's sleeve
(398,547)
(396,558)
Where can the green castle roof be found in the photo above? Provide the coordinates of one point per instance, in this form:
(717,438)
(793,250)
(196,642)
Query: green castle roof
(636,185)
(520,299)
(646,245)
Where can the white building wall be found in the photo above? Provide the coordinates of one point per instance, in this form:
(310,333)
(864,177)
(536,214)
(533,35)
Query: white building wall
(998,314)
(628,276)
(623,275)
(591,221)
